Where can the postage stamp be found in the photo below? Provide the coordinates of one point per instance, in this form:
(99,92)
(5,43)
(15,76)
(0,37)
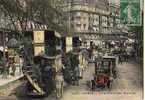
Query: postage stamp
(130,12)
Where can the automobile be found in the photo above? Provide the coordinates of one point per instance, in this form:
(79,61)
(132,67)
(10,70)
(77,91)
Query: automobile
(105,72)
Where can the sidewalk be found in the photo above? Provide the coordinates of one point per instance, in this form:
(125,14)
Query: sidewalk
(10,78)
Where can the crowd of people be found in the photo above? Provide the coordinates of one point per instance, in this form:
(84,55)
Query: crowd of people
(8,66)
(123,52)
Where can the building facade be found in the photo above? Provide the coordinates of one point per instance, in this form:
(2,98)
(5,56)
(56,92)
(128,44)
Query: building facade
(92,19)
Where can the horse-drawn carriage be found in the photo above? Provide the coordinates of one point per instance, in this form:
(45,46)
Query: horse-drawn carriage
(105,72)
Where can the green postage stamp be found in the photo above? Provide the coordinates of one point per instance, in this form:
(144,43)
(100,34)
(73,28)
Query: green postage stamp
(130,12)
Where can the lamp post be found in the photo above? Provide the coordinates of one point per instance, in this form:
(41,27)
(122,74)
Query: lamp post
(4,56)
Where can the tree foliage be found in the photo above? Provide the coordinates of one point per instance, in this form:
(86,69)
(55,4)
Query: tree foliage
(37,11)
(41,12)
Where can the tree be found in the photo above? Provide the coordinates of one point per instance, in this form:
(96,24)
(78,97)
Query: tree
(21,12)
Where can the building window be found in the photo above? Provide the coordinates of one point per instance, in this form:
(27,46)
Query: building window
(84,26)
(86,1)
(78,17)
(78,25)
(72,18)
(84,18)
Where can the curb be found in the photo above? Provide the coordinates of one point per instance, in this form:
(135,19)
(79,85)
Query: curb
(8,88)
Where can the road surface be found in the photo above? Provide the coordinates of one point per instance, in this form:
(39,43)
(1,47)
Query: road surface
(128,86)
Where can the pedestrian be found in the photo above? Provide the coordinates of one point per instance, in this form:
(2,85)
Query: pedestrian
(21,64)
(93,84)
(120,59)
(12,66)
(76,75)
(59,84)
(125,56)
(80,71)
(7,67)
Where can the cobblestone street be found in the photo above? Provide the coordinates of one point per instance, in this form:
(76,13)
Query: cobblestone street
(128,85)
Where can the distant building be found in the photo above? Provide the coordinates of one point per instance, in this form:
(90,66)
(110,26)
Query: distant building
(92,19)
